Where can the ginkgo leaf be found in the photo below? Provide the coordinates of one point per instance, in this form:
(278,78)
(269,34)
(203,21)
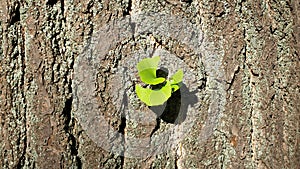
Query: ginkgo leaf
(143,93)
(177,77)
(147,70)
(154,97)
(175,87)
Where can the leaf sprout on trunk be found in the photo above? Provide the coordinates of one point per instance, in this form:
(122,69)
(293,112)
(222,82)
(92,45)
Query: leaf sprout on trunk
(159,88)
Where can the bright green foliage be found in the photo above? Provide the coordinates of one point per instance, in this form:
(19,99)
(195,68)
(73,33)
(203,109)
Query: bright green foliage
(147,71)
(175,87)
(154,97)
(176,79)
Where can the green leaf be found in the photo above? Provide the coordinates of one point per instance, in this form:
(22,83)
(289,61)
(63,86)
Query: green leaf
(177,77)
(175,87)
(154,97)
(147,70)
(143,93)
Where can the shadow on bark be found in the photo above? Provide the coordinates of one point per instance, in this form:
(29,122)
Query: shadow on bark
(174,111)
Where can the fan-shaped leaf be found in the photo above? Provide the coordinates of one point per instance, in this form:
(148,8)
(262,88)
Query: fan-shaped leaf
(154,97)
(175,87)
(177,77)
(147,70)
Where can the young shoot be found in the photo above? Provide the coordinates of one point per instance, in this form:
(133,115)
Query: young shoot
(147,71)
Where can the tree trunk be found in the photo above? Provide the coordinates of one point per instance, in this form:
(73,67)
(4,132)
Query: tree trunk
(68,75)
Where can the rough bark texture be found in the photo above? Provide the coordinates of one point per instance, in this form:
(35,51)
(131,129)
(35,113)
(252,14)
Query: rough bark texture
(259,42)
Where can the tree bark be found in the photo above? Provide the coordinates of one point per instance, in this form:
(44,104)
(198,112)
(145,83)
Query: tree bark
(257,44)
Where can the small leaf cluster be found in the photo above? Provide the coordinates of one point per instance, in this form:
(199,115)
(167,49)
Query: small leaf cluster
(147,71)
